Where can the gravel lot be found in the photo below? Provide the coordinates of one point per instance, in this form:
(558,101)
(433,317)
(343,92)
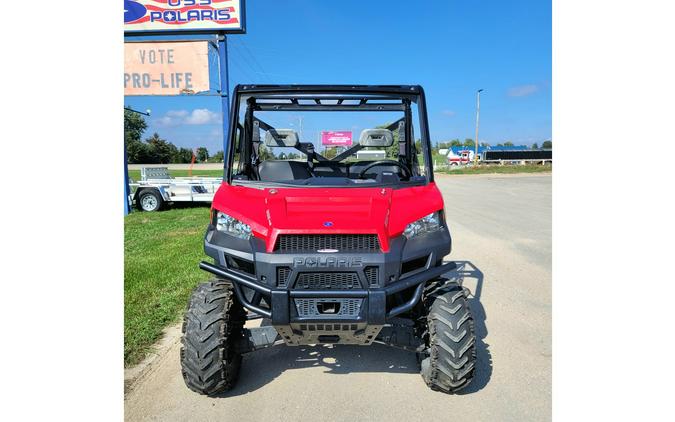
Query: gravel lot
(501,227)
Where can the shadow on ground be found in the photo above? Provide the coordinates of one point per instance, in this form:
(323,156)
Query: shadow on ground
(262,367)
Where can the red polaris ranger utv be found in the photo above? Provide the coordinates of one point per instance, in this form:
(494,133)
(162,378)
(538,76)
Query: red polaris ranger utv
(327,245)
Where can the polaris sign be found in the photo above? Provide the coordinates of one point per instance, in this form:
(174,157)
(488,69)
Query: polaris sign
(183,15)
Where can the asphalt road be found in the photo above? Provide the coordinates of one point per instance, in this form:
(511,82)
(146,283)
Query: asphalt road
(501,227)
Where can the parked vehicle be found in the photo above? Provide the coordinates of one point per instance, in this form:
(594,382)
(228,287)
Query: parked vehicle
(464,157)
(157,189)
(327,251)
(543,155)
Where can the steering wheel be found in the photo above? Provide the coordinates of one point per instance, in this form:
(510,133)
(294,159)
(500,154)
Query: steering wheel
(386,162)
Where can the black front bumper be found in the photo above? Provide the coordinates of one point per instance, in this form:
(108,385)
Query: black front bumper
(355,314)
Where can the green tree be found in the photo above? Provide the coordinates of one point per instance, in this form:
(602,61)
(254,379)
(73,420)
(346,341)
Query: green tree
(161,151)
(218,156)
(535,146)
(330,153)
(293,156)
(468,142)
(455,143)
(265,153)
(184,155)
(134,126)
(484,144)
(508,144)
(202,154)
(547,145)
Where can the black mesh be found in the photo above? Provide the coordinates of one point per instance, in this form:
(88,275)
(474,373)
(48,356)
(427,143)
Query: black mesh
(282,276)
(321,281)
(371,275)
(341,242)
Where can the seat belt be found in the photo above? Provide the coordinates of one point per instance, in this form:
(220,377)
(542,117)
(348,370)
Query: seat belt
(255,157)
(310,157)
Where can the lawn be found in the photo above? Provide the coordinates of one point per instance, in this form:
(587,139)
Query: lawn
(136,174)
(491,169)
(162,251)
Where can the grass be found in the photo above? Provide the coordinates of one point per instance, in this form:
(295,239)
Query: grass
(493,169)
(136,174)
(162,251)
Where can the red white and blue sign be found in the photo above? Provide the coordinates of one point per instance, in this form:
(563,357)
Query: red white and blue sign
(183,15)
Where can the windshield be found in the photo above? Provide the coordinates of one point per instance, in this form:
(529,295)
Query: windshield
(326,140)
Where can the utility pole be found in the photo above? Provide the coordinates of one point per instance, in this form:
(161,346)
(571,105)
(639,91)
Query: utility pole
(475,155)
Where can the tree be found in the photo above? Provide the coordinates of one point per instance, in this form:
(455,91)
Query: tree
(484,144)
(293,156)
(202,154)
(184,155)
(330,153)
(134,126)
(508,144)
(218,156)
(547,145)
(161,151)
(455,143)
(468,142)
(265,153)
(535,146)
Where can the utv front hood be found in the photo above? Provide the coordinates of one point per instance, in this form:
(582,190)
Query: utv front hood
(381,211)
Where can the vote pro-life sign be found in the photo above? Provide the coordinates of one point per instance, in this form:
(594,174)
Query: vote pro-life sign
(174,67)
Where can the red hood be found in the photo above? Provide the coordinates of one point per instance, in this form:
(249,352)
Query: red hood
(272,211)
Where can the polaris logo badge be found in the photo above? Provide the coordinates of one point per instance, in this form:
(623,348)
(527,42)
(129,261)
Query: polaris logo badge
(328,224)
(327,262)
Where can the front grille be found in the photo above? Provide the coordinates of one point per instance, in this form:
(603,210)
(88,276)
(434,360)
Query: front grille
(321,281)
(348,308)
(283,273)
(315,242)
(371,275)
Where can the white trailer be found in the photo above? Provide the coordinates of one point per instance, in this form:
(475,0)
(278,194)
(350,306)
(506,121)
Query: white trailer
(157,188)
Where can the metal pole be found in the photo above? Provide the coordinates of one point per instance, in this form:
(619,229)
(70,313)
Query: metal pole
(127,207)
(224,88)
(475,155)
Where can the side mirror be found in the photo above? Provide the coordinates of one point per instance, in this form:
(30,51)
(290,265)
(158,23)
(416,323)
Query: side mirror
(281,138)
(376,138)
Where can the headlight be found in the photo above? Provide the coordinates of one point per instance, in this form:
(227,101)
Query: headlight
(232,226)
(427,224)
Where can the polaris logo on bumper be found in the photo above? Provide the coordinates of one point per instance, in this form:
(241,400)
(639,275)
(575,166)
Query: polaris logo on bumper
(327,262)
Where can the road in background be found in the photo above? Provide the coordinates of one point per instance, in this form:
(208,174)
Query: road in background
(501,228)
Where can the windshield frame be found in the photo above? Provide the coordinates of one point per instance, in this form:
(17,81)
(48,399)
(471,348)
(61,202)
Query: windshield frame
(381,100)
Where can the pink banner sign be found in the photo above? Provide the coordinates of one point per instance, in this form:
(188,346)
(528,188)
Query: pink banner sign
(336,139)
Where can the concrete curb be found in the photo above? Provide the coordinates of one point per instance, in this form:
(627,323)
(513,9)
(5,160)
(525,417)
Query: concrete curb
(134,374)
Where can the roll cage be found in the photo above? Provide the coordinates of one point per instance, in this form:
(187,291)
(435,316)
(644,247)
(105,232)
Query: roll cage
(317,98)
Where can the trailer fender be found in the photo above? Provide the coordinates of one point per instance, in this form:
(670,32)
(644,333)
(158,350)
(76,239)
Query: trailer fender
(160,189)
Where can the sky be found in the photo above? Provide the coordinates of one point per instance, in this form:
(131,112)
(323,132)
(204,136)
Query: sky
(451,48)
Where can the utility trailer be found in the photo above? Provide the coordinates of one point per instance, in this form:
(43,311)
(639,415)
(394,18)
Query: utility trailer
(157,188)
(492,156)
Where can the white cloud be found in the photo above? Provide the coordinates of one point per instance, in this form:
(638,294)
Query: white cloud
(199,116)
(522,90)
(448,113)
(202,116)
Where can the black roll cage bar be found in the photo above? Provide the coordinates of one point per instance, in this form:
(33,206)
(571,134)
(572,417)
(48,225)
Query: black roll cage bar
(291,98)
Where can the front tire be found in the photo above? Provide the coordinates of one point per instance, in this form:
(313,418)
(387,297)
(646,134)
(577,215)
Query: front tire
(449,361)
(212,324)
(150,200)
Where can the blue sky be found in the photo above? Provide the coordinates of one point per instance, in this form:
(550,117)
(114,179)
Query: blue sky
(451,48)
